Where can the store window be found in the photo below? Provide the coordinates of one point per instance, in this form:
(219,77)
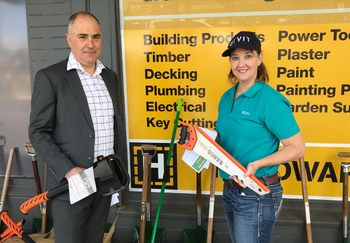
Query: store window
(15,88)
(172,49)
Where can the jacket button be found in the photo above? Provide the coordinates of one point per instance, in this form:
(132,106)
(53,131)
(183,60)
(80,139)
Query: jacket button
(89,157)
(90,136)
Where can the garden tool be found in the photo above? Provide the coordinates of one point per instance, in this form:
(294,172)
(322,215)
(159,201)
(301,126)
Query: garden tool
(154,233)
(43,207)
(143,233)
(6,181)
(345,212)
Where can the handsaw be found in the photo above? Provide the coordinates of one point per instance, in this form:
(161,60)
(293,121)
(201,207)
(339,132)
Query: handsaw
(206,147)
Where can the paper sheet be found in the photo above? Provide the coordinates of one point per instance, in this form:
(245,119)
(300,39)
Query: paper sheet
(81,185)
(115,198)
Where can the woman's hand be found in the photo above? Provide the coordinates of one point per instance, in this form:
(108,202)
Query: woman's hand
(251,169)
(187,140)
(293,148)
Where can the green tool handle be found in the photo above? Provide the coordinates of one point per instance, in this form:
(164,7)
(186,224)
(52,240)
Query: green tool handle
(179,105)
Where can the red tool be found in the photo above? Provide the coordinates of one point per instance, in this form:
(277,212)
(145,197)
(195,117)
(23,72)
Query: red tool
(15,228)
(9,232)
(43,197)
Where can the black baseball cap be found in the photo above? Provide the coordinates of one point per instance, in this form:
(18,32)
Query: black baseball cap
(244,39)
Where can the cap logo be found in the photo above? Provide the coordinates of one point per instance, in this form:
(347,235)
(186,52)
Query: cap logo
(244,39)
(239,39)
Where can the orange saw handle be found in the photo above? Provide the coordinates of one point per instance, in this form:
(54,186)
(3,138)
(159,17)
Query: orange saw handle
(43,197)
(15,228)
(183,134)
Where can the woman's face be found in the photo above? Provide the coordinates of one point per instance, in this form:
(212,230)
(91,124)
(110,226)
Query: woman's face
(244,64)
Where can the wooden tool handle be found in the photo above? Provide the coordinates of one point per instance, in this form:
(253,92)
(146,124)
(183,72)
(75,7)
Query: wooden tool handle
(36,177)
(345,205)
(344,154)
(199,190)
(305,200)
(28,145)
(7,177)
(145,192)
(43,223)
(148,147)
(211,205)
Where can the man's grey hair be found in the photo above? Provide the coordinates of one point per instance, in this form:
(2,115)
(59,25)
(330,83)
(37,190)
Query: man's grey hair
(74,16)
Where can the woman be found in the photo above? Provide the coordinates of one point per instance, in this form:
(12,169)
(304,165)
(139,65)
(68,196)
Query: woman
(253,119)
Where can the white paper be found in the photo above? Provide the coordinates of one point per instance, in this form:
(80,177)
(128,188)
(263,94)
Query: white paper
(115,198)
(194,160)
(81,185)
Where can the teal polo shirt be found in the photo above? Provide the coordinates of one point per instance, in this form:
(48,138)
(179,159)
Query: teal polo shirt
(251,128)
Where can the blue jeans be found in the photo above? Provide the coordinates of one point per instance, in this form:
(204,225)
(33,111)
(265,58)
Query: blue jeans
(251,217)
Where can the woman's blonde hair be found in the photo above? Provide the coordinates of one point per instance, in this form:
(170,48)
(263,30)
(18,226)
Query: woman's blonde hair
(262,75)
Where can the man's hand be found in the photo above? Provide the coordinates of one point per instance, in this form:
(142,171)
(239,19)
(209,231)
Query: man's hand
(74,171)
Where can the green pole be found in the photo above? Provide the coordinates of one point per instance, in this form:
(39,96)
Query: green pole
(179,105)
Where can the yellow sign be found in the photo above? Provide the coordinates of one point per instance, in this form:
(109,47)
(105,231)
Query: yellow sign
(306,63)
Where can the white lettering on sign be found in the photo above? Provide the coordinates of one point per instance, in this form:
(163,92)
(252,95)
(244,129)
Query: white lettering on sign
(159,165)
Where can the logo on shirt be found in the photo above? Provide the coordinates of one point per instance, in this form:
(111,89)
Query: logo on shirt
(246,113)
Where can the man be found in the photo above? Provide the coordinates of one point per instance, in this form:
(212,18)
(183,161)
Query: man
(73,120)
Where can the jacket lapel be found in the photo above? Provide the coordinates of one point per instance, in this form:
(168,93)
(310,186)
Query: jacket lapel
(111,87)
(74,82)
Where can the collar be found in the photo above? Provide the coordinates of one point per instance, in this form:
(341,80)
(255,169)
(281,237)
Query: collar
(252,91)
(74,64)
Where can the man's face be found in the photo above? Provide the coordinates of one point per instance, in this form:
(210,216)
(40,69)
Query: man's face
(85,41)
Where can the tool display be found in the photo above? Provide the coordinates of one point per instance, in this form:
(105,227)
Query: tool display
(345,208)
(206,147)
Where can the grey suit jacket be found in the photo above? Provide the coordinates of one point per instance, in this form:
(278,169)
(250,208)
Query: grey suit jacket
(61,129)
